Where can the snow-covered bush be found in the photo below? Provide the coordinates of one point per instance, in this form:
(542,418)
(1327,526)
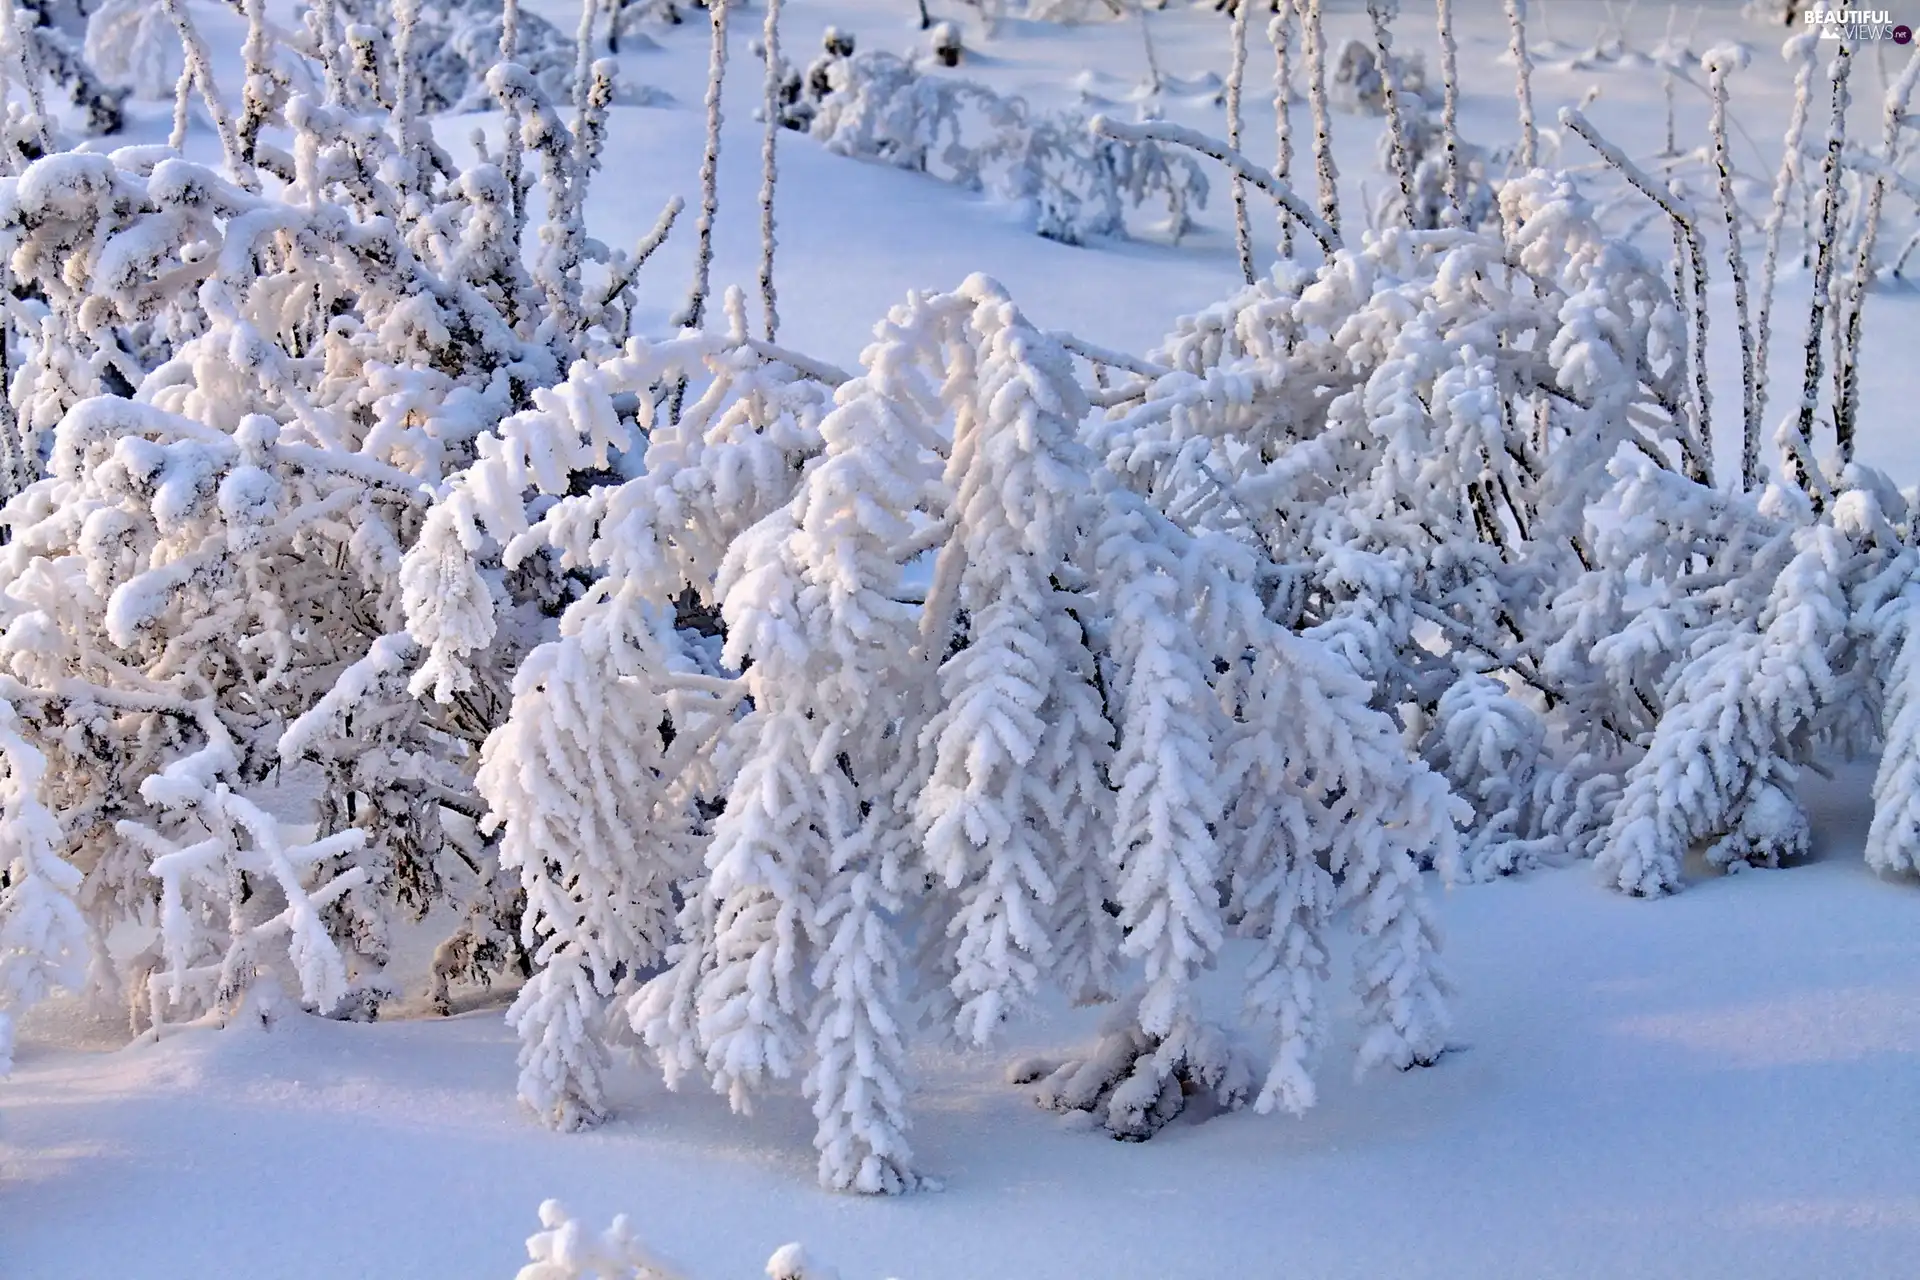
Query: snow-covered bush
(1360,84)
(133,44)
(43,936)
(233,397)
(459,40)
(877,106)
(1752,633)
(39,48)
(916,796)
(1784,658)
(943,42)
(1426,147)
(565,1250)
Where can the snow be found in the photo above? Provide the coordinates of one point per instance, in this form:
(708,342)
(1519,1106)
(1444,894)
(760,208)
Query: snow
(1707,1086)
(1716,1084)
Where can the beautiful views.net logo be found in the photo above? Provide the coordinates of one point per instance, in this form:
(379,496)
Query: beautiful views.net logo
(1858,24)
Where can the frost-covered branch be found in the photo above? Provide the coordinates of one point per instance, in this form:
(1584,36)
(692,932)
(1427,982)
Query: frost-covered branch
(1380,13)
(1522,79)
(1327,176)
(1236,79)
(694,313)
(1238,164)
(769,172)
(1720,62)
(1801,49)
(1823,268)
(1852,301)
(1695,448)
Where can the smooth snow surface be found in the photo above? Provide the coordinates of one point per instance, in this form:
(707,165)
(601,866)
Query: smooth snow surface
(1716,1084)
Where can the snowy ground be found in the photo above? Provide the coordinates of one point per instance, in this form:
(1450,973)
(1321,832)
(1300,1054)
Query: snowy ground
(1719,1084)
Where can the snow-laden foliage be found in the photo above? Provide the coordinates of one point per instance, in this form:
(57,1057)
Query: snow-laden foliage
(873,105)
(599,768)
(43,936)
(984,690)
(1359,80)
(39,52)
(1411,432)
(1426,146)
(565,1249)
(227,869)
(1789,641)
(232,398)
(133,44)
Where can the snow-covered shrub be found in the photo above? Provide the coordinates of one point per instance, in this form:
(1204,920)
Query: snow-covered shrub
(868,801)
(133,44)
(39,46)
(1360,85)
(1781,662)
(1733,638)
(877,106)
(1414,431)
(565,1250)
(459,40)
(621,696)
(224,867)
(43,936)
(233,402)
(1425,144)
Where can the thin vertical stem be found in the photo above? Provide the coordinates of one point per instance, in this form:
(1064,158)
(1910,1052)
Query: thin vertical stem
(1450,110)
(512,163)
(696,307)
(1279,31)
(200,67)
(1381,13)
(1847,355)
(1314,37)
(1523,81)
(1802,48)
(1146,38)
(1236,76)
(1823,261)
(769,169)
(1719,63)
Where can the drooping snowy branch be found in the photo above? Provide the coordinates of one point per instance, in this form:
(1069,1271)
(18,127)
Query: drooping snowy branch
(1238,164)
